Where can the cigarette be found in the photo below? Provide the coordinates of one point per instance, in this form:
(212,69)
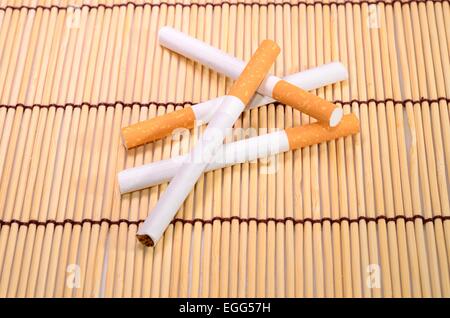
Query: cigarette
(184,180)
(245,150)
(159,127)
(273,86)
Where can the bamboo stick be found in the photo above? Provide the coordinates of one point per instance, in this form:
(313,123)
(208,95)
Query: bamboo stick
(389,279)
(441,64)
(159,250)
(168,242)
(239,199)
(279,174)
(288,161)
(240,173)
(234,183)
(58,264)
(155,150)
(416,208)
(314,49)
(121,94)
(148,94)
(257,266)
(71,234)
(323,18)
(412,247)
(358,231)
(431,255)
(5,19)
(200,282)
(133,263)
(55,164)
(363,154)
(306,175)
(297,169)
(22,117)
(396,231)
(85,236)
(335,227)
(205,15)
(220,177)
(249,196)
(437,177)
(192,77)
(446,14)
(190,284)
(9,136)
(342,171)
(271,178)
(28,279)
(110,195)
(358,178)
(17,272)
(229,281)
(68,136)
(182,23)
(384,153)
(126,241)
(144,154)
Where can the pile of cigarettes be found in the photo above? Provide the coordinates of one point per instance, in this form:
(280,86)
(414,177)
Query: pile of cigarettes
(210,153)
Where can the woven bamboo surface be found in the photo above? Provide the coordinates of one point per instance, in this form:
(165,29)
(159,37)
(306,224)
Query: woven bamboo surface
(366,215)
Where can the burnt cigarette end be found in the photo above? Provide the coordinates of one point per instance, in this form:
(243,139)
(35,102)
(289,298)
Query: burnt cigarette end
(146,240)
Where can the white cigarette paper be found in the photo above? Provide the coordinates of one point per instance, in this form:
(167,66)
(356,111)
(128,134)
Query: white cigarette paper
(209,143)
(241,151)
(159,127)
(230,66)
(308,80)
(250,149)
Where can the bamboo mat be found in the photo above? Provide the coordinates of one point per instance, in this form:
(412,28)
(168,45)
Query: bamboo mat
(362,216)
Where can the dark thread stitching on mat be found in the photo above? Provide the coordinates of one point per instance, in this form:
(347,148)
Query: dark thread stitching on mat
(253,3)
(391,100)
(230,219)
(188,103)
(112,104)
